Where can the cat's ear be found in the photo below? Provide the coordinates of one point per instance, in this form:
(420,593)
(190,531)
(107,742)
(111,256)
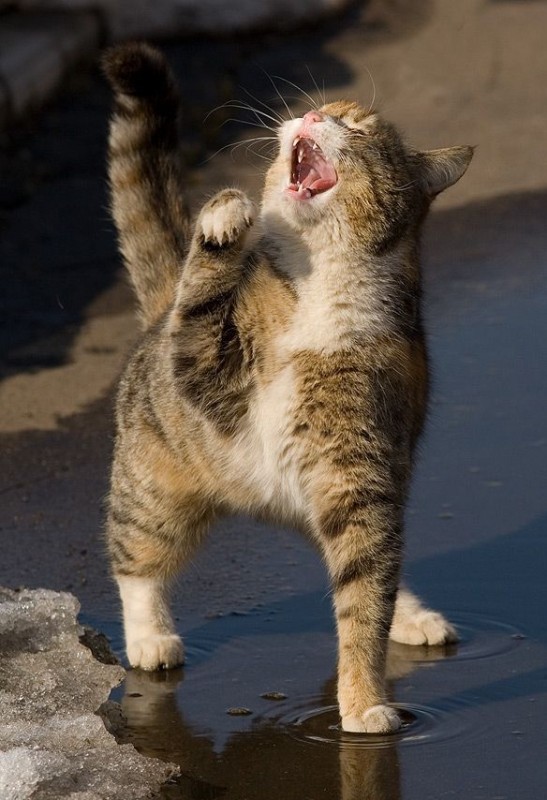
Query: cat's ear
(439,169)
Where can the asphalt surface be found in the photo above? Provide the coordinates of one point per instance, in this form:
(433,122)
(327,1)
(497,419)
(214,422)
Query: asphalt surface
(254,607)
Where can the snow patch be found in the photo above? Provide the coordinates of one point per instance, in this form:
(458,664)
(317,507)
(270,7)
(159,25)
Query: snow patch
(52,743)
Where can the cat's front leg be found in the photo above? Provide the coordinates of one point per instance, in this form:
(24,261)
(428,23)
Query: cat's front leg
(361,541)
(214,264)
(210,357)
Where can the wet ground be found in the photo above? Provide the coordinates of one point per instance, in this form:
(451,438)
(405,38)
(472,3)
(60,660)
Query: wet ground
(254,607)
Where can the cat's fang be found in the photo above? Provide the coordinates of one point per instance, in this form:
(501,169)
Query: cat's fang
(311,171)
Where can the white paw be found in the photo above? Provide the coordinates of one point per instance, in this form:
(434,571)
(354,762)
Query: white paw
(425,627)
(377,719)
(225,217)
(157,651)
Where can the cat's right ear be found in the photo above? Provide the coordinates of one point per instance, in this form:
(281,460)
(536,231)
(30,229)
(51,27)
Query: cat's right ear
(439,169)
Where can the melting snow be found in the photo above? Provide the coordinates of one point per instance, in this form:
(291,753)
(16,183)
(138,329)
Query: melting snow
(52,743)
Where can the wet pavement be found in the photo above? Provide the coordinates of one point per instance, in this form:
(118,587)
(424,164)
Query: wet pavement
(254,607)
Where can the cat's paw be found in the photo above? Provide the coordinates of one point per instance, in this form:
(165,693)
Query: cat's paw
(157,651)
(226,217)
(415,624)
(377,719)
(423,628)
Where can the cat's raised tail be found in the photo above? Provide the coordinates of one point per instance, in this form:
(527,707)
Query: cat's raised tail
(145,173)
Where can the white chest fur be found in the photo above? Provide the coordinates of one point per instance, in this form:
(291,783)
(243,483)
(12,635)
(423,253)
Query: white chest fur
(264,455)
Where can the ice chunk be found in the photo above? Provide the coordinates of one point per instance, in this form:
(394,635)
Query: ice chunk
(52,742)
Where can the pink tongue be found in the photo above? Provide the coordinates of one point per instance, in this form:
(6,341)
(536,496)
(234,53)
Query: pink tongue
(311,178)
(321,185)
(306,174)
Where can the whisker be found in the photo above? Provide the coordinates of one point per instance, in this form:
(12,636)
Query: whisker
(371,106)
(251,124)
(267,140)
(265,155)
(404,187)
(235,145)
(316,86)
(278,93)
(272,110)
(259,154)
(258,113)
(298,89)
(258,139)
(243,106)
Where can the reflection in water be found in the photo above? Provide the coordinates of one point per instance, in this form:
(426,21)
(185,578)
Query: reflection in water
(270,760)
(371,773)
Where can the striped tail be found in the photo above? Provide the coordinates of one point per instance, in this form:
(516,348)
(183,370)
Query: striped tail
(145,173)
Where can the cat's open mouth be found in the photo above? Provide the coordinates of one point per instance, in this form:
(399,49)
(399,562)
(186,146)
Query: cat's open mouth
(311,172)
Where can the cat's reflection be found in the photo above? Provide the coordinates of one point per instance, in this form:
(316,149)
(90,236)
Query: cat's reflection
(265,762)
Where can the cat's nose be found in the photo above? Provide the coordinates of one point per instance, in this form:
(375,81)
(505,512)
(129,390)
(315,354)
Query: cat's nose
(313,116)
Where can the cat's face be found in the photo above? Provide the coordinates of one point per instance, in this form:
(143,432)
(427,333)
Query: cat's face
(337,160)
(346,164)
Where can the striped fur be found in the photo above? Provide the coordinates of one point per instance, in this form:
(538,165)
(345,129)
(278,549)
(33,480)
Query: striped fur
(283,371)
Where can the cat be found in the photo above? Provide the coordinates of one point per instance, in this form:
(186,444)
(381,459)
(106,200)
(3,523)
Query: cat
(282,371)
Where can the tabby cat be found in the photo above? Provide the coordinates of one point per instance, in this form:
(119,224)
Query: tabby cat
(282,371)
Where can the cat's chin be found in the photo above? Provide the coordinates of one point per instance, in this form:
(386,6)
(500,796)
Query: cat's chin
(306,209)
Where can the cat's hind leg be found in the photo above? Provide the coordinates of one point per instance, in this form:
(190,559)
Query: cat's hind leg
(151,640)
(150,535)
(415,624)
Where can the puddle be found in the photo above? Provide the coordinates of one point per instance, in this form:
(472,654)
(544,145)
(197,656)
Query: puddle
(306,718)
(240,707)
(479,637)
(253,713)
(420,725)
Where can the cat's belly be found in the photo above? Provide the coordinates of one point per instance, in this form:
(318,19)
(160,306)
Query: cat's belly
(264,456)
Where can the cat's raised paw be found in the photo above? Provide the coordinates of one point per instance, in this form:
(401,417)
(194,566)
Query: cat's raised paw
(424,628)
(158,651)
(226,217)
(377,719)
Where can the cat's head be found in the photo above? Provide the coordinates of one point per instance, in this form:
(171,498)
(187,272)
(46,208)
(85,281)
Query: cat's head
(346,164)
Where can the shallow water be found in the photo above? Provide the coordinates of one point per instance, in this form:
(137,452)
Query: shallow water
(253,712)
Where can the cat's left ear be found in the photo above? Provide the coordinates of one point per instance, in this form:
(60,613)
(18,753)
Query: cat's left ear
(439,169)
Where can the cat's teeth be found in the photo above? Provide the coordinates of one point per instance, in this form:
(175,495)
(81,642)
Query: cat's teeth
(295,142)
(315,145)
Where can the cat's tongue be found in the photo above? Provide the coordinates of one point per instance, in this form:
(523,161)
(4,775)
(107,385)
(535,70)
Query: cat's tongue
(311,173)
